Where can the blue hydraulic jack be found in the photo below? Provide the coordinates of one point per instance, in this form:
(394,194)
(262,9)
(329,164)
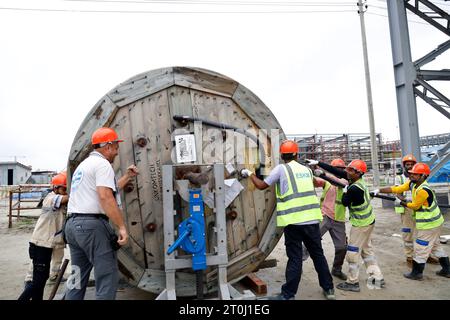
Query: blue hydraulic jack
(192,237)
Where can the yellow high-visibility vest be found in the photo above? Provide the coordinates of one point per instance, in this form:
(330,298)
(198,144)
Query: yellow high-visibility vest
(427,217)
(300,202)
(362,215)
(399,208)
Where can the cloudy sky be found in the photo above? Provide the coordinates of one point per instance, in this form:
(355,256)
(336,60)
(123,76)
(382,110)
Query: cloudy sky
(303,59)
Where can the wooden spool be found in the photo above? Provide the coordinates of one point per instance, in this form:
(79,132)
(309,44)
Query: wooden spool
(141,110)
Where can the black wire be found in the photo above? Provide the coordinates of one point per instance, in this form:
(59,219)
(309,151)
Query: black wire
(221,3)
(171,12)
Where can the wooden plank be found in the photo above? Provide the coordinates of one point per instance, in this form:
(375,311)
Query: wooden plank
(204,80)
(246,197)
(140,139)
(157,123)
(100,115)
(141,86)
(131,210)
(259,198)
(135,270)
(255,108)
(268,263)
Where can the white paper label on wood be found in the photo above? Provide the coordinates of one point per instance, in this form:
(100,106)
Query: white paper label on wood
(185,148)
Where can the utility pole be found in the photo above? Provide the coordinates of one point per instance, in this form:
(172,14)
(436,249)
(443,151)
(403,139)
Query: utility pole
(373,141)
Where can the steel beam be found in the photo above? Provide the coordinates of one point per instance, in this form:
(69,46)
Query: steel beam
(429,75)
(404,75)
(440,164)
(433,101)
(432,17)
(433,54)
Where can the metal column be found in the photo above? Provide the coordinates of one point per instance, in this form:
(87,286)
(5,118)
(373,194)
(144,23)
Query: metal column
(405,75)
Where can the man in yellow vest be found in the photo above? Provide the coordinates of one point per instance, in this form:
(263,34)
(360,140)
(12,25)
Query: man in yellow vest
(298,211)
(406,214)
(356,197)
(428,218)
(333,212)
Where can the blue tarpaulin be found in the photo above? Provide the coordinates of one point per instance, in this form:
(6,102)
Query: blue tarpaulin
(443,174)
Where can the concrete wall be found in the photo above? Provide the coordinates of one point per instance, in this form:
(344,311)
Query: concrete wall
(20,173)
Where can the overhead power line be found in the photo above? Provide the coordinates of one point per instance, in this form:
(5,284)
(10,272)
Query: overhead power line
(173,12)
(222,3)
(386,16)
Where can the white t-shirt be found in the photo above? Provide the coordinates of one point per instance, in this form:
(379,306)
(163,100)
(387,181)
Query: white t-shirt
(95,171)
(278,175)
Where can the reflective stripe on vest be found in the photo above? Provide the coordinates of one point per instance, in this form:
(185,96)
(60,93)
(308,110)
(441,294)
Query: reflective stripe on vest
(294,206)
(427,217)
(339,209)
(362,215)
(397,207)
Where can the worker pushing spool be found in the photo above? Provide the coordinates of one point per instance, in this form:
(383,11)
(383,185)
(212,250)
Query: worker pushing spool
(160,114)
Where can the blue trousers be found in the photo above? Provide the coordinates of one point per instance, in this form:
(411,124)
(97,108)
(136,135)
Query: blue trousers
(294,237)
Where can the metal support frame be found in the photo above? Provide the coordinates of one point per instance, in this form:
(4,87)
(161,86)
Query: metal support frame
(433,14)
(410,79)
(440,158)
(404,76)
(172,262)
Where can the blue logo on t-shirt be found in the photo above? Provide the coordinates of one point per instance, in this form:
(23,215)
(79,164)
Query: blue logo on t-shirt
(76,180)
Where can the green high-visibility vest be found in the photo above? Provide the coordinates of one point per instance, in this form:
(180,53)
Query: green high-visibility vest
(427,217)
(361,215)
(399,208)
(300,202)
(339,208)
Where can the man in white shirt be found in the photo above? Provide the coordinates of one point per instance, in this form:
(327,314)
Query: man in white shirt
(94,201)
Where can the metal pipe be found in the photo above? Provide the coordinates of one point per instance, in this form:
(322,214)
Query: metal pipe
(262,160)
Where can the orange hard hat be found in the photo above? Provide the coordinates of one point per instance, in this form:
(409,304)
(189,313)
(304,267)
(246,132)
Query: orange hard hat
(104,135)
(409,157)
(338,163)
(289,146)
(60,180)
(420,168)
(358,165)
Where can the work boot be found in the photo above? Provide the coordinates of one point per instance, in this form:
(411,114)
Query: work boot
(433,260)
(409,262)
(349,286)
(445,271)
(416,272)
(339,274)
(329,294)
(280,297)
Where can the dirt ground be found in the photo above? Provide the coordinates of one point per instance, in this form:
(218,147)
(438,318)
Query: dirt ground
(387,244)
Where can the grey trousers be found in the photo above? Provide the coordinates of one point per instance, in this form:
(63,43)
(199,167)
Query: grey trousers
(89,243)
(337,233)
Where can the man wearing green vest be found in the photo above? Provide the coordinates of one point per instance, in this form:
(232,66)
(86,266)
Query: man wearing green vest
(356,197)
(333,212)
(298,211)
(406,214)
(428,218)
